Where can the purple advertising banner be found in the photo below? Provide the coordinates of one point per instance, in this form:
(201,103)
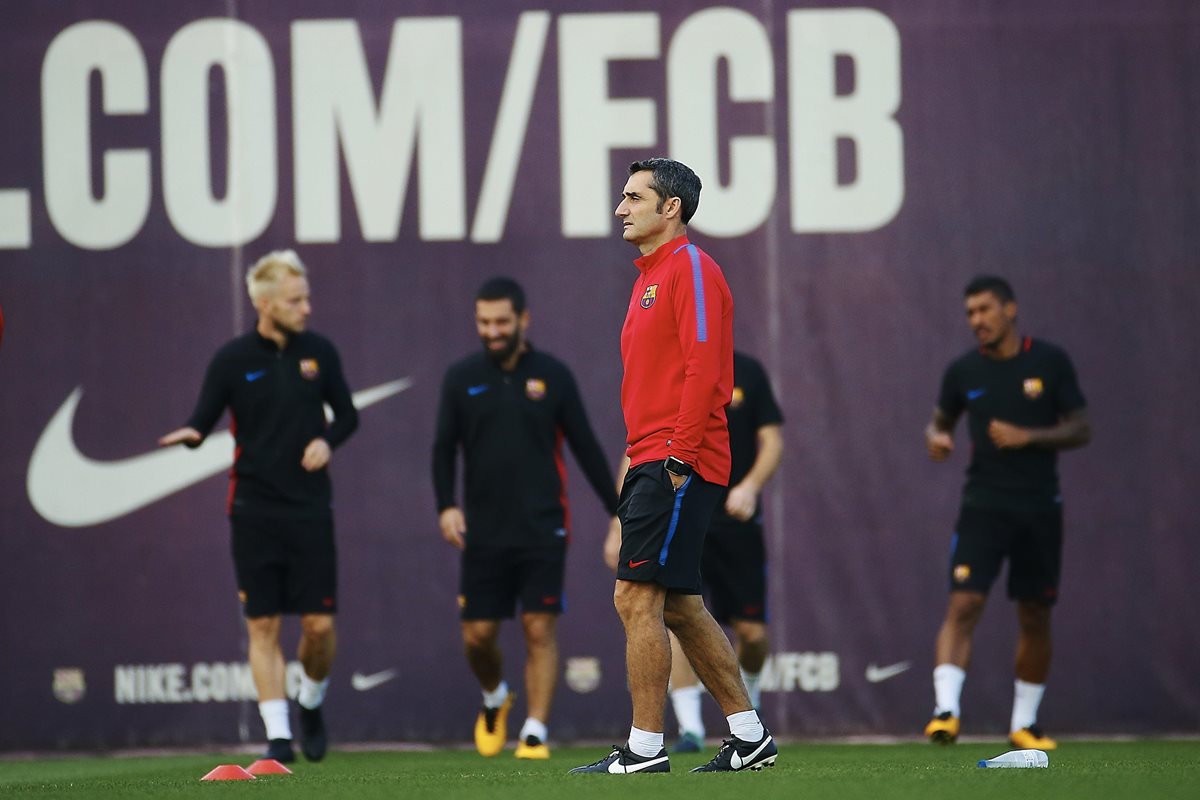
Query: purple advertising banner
(861,162)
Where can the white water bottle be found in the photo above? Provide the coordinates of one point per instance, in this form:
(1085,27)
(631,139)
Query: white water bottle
(1018,759)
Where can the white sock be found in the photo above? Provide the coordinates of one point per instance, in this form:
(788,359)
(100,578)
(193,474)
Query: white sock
(947,688)
(1026,699)
(753,681)
(746,725)
(686,703)
(533,727)
(275,717)
(645,743)
(496,697)
(312,693)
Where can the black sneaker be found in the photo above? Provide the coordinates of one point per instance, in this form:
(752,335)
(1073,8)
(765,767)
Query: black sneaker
(623,761)
(312,730)
(280,750)
(737,754)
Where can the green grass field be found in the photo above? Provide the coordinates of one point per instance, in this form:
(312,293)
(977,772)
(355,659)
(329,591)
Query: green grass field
(1146,770)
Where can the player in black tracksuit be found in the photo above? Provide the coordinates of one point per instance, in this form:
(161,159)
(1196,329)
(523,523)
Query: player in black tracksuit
(509,410)
(275,381)
(1024,404)
(734,564)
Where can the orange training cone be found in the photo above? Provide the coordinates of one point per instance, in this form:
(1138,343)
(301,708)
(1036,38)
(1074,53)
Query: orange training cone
(228,772)
(268,766)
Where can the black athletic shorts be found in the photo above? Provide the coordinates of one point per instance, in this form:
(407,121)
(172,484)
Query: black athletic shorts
(284,566)
(1030,540)
(492,579)
(662,530)
(734,568)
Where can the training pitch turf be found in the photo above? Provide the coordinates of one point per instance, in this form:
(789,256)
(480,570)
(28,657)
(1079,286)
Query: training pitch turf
(1146,770)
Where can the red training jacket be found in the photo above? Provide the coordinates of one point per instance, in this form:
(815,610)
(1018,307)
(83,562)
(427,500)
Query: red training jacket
(677,348)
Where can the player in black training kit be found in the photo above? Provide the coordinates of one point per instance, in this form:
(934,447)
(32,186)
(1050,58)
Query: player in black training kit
(275,381)
(1023,404)
(509,409)
(734,563)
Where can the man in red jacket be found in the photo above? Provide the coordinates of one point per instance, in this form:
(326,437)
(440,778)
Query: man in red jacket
(677,349)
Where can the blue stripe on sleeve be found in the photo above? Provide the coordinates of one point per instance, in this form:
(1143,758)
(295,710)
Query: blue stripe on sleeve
(698,288)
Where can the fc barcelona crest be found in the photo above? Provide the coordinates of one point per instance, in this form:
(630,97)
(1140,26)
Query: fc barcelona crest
(1033,388)
(535,388)
(583,674)
(309,369)
(69,685)
(649,296)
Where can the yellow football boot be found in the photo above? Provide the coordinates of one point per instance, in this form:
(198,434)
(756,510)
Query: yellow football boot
(1032,738)
(533,748)
(942,729)
(491,728)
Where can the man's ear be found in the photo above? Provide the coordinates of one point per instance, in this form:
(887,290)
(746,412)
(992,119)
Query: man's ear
(673,207)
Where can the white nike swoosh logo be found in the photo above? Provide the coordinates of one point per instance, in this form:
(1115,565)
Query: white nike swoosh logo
(617,768)
(880,674)
(365,683)
(71,490)
(737,762)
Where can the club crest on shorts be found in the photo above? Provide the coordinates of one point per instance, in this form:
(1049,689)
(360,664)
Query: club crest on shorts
(649,296)
(583,674)
(535,388)
(309,369)
(739,397)
(1033,388)
(962,572)
(69,685)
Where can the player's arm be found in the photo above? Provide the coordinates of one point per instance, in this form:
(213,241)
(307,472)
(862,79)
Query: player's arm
(582,439)
(612,542)
(743,498)
(336,393)
(939,434)
(698,310)
(1072,430)
(451,521)
(214,397)
(341,403)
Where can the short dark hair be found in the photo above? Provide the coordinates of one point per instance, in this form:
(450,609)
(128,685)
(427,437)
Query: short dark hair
(501,287)
(671,178)
(990,283)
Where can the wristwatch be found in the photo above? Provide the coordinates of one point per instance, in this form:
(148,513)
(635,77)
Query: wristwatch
(676,467)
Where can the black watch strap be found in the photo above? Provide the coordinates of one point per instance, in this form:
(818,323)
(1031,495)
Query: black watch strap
(677,467)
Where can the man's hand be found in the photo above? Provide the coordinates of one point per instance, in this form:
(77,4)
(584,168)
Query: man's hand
(1007,436)
(742,502)
(316,455)
(612,544)
(188,436)
(939,443)
(453,525)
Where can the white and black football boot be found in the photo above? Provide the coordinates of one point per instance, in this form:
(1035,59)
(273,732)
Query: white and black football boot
(737,754)
(623,761)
